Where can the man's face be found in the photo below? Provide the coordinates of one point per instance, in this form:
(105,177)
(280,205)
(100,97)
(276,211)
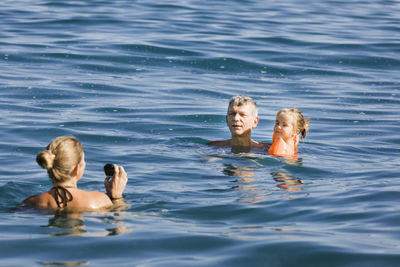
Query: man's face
(241,119)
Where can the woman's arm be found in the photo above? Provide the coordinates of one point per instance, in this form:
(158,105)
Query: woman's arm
(115,185)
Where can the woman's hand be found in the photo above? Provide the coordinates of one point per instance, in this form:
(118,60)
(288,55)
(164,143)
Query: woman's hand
(115,185)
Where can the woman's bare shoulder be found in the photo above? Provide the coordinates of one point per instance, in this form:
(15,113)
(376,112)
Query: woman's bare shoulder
(44,200)
(94,199)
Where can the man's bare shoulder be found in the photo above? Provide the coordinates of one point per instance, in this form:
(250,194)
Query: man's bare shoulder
(261,145)
(220,143)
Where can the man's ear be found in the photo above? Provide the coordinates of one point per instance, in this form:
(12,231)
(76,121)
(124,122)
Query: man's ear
(255,123)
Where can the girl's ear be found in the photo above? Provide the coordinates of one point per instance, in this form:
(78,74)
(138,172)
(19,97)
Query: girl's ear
(296,132)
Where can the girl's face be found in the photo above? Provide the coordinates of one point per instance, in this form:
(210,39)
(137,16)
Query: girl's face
(285,127)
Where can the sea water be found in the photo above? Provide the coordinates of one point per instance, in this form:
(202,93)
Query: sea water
(145,84)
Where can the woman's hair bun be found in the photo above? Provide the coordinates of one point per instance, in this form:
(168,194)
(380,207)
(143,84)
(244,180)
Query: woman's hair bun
(45,159)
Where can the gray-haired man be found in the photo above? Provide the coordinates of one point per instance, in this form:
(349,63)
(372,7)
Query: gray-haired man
(241,118)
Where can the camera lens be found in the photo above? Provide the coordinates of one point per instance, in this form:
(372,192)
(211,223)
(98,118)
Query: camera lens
(109,169)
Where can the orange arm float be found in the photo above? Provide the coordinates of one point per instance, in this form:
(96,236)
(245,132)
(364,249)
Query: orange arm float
(280,148)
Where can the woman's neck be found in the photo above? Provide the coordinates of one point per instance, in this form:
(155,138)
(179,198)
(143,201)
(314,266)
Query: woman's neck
(69,184)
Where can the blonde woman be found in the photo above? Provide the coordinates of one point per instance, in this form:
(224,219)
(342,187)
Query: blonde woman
(64,161)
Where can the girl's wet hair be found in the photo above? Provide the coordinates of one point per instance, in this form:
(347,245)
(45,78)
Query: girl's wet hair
(300,123)
(60,158)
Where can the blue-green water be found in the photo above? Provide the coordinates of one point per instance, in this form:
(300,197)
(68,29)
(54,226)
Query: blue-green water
(146,84)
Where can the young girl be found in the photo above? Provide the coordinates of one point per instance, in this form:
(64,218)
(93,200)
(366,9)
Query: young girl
(64,161)
(288,125)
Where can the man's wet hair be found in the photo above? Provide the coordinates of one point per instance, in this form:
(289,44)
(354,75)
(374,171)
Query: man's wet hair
(240,100)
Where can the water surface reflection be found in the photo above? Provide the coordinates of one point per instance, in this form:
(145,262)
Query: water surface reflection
(246,182)
(73,224)
(287,181)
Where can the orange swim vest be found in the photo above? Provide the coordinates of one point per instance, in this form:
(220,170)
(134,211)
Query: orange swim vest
(280,148)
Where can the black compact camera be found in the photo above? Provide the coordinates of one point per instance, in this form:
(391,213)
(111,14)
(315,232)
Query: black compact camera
(109,169)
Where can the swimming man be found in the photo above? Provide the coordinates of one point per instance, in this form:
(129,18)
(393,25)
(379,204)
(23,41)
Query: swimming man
(241,118)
